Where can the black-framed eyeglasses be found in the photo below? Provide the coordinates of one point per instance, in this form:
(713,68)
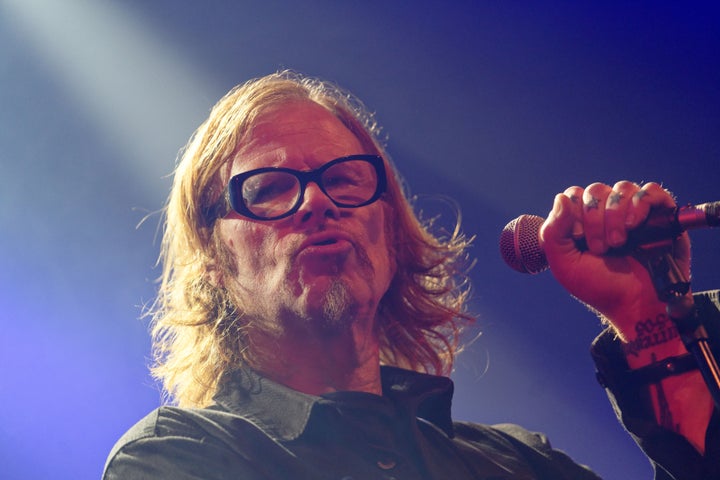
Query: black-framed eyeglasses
(271,193)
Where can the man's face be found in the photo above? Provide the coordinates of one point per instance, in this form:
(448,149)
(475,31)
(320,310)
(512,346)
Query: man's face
(324,268)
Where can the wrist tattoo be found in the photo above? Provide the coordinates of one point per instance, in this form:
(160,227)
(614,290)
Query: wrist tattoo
(651,332)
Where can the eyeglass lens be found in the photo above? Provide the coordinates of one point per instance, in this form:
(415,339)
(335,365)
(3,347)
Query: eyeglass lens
(348,184)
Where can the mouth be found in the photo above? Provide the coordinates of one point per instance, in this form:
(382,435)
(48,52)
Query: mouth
(329,241)
(326,243)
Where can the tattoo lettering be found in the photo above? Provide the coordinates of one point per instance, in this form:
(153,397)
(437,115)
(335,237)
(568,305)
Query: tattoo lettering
(651,332)
(615,198)
(592,204)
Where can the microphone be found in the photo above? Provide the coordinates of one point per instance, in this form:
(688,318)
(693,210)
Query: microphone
(520,243)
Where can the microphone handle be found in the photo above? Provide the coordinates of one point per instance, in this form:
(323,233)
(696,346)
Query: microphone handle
(520,248)
(661,225)
(665,224)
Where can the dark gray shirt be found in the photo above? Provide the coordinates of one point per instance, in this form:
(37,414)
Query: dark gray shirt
(258,429)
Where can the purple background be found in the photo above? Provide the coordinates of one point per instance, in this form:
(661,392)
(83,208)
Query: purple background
(498,104)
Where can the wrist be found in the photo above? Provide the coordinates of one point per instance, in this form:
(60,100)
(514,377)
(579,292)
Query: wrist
(651,338)
(659,370)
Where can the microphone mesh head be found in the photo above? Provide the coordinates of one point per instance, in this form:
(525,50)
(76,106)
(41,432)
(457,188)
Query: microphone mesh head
(520,245)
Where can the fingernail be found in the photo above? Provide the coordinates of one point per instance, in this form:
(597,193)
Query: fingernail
(577,230)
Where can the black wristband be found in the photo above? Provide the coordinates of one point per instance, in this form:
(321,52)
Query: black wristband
(656,371)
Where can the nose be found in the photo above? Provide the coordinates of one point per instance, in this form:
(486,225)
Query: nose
(316,206)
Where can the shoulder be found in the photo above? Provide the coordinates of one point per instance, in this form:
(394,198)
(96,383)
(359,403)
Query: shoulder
(145,440)
(504,435)
(164,422)
(176,443)
(532,449)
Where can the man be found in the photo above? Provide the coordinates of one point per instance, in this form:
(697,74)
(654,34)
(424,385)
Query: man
(294,268)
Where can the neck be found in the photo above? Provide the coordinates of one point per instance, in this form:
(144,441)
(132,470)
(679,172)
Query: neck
(321,363)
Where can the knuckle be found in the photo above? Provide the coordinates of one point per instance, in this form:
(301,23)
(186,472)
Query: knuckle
(596,186)
(574,193)
(624,185)
(652,187)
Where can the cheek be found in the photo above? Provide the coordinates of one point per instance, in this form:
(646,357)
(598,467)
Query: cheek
(377,225)
(380,239)
(249,245)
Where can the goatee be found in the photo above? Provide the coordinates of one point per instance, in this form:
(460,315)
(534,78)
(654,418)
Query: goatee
(337,309)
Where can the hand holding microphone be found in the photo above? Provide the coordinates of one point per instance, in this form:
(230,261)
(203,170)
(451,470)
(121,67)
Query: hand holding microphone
(520,243)
(587,242)
(600,243)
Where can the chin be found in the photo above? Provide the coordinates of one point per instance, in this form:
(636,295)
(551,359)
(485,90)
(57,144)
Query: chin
(330,307)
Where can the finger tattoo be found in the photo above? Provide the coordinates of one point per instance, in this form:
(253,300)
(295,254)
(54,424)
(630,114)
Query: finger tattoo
(640,194)
(592,204)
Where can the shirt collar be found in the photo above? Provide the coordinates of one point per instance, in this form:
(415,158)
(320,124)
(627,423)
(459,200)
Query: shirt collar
(284,413)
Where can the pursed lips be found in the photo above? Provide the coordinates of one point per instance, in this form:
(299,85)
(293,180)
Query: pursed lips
(326,242)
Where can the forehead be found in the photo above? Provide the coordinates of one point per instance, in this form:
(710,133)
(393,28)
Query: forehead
(296,135)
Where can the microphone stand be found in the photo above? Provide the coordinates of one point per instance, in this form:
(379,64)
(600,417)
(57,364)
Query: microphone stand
(672,287)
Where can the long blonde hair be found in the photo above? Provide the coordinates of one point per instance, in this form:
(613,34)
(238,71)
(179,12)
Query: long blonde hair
(197,326)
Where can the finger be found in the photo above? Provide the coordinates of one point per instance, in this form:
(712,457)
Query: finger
(594,201)
(651,195)
(561,219)
(575,208)
(616,207)
(556,232)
